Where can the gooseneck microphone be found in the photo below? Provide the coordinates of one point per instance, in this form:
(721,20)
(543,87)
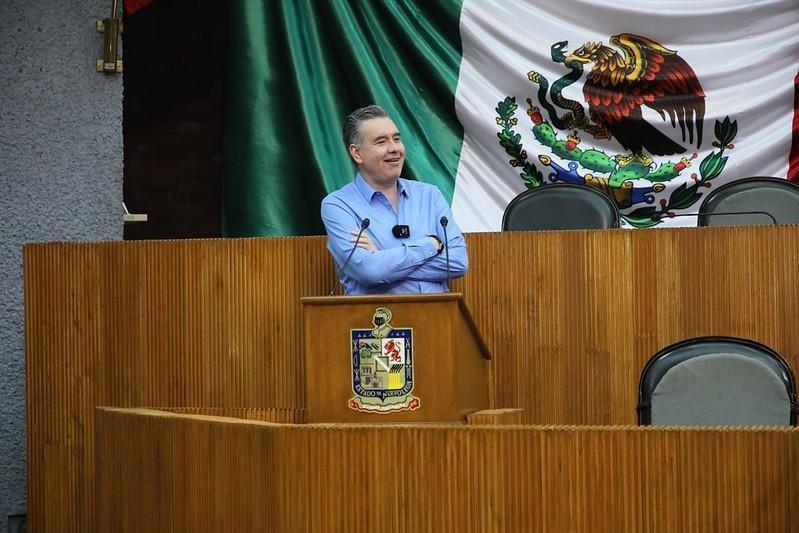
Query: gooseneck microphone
(700,216)
(364,225)
(444,223)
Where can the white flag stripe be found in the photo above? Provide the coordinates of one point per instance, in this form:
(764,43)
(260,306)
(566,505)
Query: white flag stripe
(745,57)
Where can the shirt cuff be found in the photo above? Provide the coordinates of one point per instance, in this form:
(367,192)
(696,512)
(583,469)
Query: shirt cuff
(428,248)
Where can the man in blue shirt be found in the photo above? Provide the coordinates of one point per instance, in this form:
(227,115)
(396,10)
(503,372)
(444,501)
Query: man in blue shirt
(388,257)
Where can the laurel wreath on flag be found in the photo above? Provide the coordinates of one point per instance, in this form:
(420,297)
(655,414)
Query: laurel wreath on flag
(512,143)
(683,197)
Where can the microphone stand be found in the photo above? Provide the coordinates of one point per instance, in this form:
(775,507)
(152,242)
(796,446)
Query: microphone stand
(700,215)
(364,225)
(444,223)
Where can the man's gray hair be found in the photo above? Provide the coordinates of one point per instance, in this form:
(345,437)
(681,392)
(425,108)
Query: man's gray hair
(352,124)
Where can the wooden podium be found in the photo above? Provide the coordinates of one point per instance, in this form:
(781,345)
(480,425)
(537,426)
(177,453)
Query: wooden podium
(392,358)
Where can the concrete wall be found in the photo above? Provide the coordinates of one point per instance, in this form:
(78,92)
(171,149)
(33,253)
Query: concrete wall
(60,175)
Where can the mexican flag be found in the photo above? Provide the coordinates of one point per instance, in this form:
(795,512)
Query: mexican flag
(657,103)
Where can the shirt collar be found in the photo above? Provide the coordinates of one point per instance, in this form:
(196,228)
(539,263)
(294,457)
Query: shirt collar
(368,192)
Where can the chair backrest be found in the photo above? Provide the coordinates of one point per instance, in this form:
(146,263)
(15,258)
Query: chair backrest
(560,206)
(751,202)
(717,381)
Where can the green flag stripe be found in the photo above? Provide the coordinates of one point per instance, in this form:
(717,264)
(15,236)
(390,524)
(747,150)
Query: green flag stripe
(295,69)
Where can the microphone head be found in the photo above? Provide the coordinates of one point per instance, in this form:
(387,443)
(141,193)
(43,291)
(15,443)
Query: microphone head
(365,223)
(444,222)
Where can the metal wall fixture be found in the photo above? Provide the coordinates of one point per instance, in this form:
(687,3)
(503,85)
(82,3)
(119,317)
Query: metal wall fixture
(110,28)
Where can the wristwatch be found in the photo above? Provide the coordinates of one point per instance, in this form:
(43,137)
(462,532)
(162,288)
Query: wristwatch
(440,244)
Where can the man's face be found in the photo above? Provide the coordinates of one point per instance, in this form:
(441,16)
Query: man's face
(381,153)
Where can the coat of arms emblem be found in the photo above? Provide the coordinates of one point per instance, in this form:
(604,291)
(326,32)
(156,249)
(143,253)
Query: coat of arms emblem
(382,367)
(634,75)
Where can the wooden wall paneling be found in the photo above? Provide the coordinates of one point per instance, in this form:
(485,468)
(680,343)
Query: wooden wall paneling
(178,323)
(780,263)
(733,282)
(667,285)
(560,302)
(236,475)
(570,317)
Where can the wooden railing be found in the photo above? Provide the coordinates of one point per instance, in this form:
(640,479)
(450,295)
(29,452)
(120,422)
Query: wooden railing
(175,473)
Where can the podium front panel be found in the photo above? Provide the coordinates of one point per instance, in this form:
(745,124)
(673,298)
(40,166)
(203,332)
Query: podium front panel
(352,374)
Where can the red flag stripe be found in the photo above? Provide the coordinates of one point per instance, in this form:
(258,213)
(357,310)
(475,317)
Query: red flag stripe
(131,6)
(793,162)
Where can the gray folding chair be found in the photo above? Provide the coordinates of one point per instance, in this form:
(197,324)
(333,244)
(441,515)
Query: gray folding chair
(751,202)
(560,206)
(717,381)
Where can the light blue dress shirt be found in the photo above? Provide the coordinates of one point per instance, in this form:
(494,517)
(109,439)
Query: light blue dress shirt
(399,266)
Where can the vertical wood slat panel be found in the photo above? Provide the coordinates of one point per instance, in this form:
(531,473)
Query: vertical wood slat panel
(571,318)
(438,478)
(212,323)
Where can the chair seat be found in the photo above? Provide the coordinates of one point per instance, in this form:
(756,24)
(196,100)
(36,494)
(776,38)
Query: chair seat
(717,381)
(742,392)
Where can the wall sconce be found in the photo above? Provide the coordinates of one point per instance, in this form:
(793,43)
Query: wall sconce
(110,28)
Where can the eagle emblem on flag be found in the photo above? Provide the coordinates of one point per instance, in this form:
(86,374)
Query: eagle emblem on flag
(634,76)
(382,367)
